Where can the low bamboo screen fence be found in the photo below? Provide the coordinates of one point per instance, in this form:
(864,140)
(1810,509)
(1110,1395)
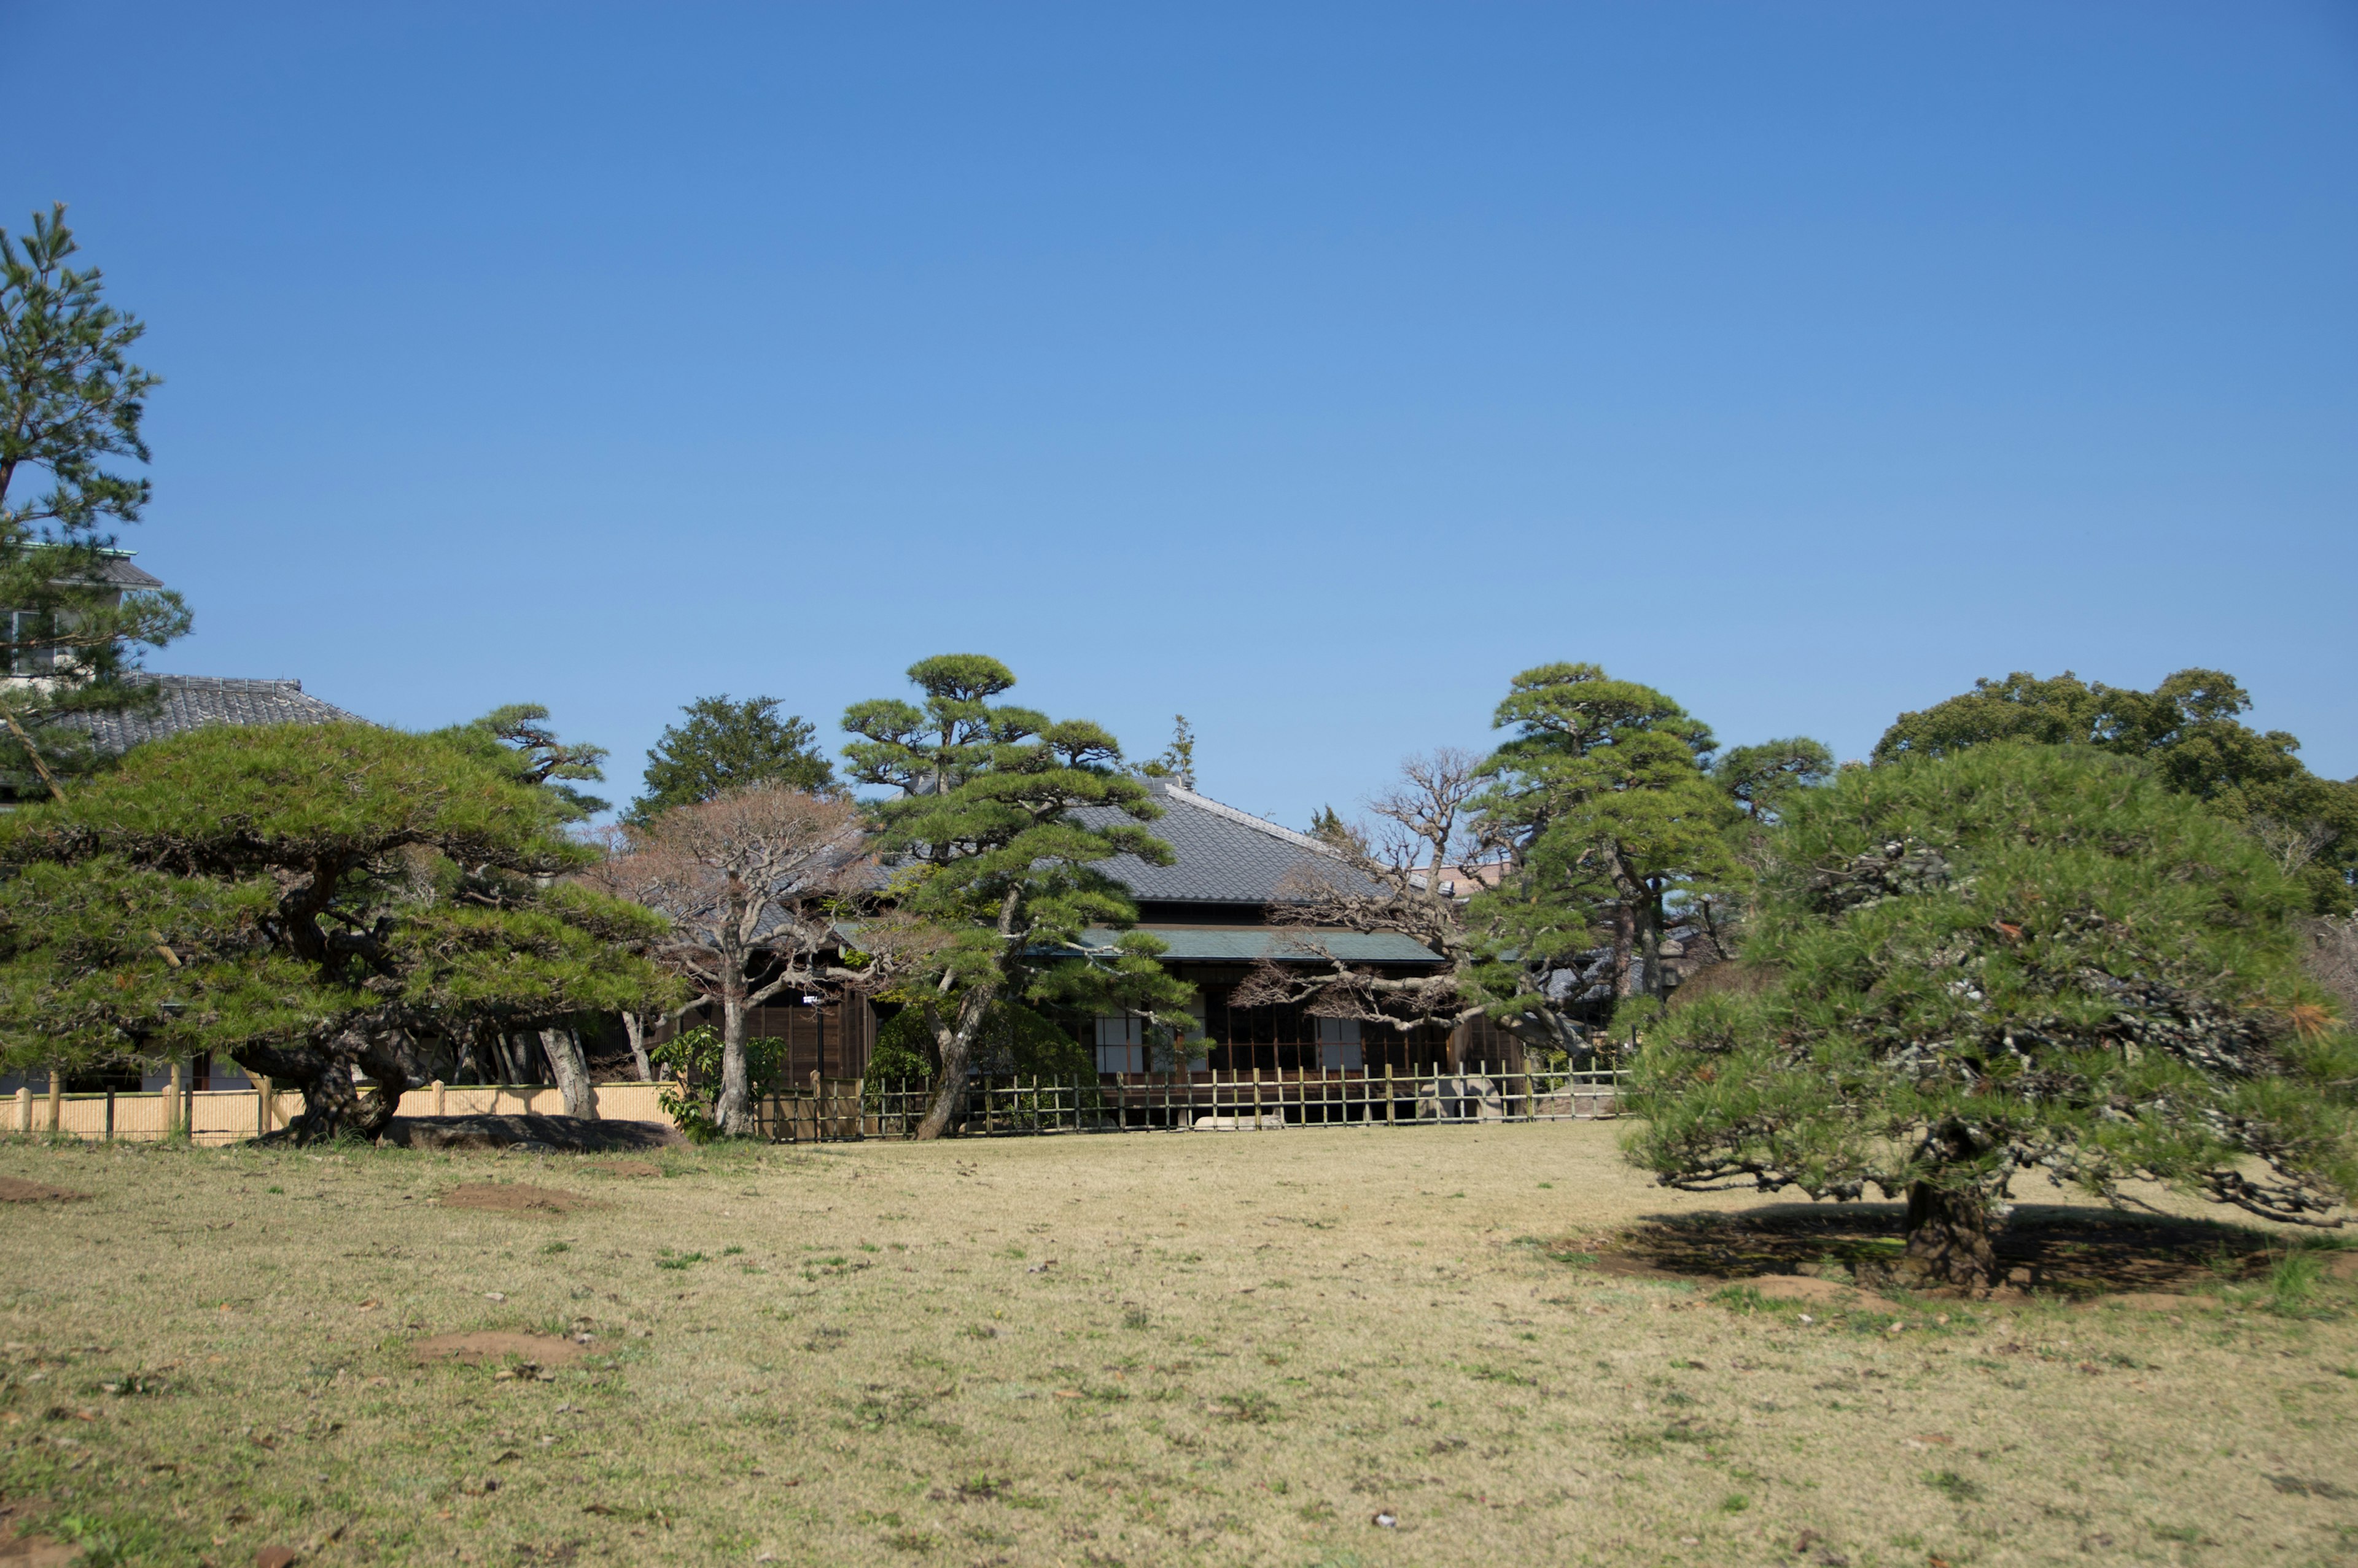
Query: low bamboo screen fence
(842,1109)
(830,1109)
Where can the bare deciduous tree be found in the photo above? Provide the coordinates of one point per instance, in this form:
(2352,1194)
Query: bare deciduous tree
(1411,871)
(749,879)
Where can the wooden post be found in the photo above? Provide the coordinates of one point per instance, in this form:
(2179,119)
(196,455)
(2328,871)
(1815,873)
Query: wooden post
(110,1116)
(1388,1108)
(441,1095)
(172,1106)
(1255,1097)
(25,1109)
(261,1105)
(859,1107)
(56,1102)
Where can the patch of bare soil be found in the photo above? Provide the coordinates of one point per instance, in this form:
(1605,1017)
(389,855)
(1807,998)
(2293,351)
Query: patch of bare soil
(626,1168)
(36,1551)
(2069,1252)
(532,1349)
(13,1190)
(516,1198)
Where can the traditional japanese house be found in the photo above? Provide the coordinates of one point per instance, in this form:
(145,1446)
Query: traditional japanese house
(1217,909)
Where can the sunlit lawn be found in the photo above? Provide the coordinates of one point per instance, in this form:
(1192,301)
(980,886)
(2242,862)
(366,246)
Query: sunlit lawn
(1304,1347)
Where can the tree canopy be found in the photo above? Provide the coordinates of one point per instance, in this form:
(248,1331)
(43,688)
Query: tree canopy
(71,400)
(518,741)
(2005,959)
(720,746)
(1601,796)
(999,888)
(2189,729)
(316,901)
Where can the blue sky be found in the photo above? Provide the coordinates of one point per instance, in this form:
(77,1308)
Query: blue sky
(1306,369)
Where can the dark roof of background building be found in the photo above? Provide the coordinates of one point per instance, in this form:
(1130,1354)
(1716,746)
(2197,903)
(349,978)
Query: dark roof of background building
(1224,856)
(115,570)
(191,702)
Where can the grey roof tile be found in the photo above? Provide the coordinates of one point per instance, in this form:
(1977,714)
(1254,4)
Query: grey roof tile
(1224,856)
(191,702)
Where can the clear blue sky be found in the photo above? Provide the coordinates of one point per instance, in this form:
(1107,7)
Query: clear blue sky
(1309,371)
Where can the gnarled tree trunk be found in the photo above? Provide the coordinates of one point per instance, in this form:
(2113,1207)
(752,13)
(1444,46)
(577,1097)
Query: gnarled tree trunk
(1949,1237)
(563,1048)
(956,1043)
(328,1072)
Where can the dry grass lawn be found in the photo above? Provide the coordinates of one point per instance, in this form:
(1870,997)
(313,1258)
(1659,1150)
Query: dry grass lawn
(1314,1348)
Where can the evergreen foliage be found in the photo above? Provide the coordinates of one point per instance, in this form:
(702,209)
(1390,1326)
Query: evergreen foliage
(999,882)
(722,746)
(2010,958)
(1760,778)
(1602,796)
(71,400)
(1177,762)
(518,741)
(2189,729)
(315,901)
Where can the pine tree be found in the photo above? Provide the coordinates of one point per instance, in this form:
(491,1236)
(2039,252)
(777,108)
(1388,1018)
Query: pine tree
(997,882)
(2014,958)
(70,399)
(2189,728)
(722,746)
(319,903)
(1602,796)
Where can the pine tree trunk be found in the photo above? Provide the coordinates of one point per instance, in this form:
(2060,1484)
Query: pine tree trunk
(957,1057)
(1949,1237)
(734,1109)
(563,1048)
(636,1028)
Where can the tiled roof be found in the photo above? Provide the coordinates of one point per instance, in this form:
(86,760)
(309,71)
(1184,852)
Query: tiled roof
(1224,856)
(115,570)
(193,701)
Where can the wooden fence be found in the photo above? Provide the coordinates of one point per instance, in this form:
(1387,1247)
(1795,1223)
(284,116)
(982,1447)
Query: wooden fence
(832,1110)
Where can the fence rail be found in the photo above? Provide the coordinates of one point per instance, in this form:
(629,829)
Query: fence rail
(836,1110)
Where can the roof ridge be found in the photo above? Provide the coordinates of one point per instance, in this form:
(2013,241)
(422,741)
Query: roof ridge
(1275,830)
(295,682)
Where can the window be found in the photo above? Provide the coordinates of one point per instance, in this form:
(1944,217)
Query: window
(1122,1045)
(28,652)
(1339,1044)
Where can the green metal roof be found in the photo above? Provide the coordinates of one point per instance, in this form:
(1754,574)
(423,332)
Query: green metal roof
(1244,944)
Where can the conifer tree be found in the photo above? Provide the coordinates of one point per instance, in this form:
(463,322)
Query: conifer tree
(319,903)
(1602,796)
(720,746)
(998,884)
(2012,959)
(2189,729)
(71,400)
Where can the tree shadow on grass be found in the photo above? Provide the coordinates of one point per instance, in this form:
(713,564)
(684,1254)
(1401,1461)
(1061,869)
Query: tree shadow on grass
(2049,1249)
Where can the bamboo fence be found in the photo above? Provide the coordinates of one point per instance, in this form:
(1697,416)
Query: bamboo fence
(833,1110)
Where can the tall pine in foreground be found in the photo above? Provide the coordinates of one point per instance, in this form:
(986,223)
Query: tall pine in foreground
(2014,961)
(71,402)
(997,880)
